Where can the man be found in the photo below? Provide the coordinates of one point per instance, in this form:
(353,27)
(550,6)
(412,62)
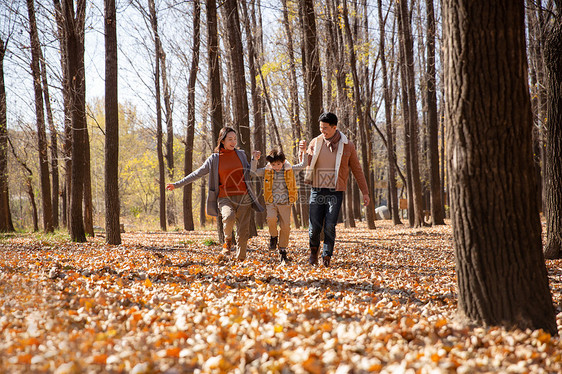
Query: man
(330,157)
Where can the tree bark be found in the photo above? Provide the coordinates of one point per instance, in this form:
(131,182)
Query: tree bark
(6,223)
(393,198)
(413,150)
(313,77)
(74,22)
(53,147)
(437,211)
(159,151)
(214,82)
(365,154)
(112,207)
(190,130)
(553,172)
(46,201)
(502,277)
(88,203)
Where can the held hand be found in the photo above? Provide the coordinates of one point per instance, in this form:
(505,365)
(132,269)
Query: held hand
(170,187)
(366,200)
(302,145)
(256,155)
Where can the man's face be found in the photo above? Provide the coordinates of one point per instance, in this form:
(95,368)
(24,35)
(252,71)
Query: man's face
(230,141)
(276,165)
(327,130)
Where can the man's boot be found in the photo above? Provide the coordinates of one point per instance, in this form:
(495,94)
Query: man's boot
(313,259)
(273,243)
(283,253)
(326,260)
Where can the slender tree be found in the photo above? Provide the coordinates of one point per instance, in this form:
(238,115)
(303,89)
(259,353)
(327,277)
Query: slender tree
(40,117)
(6,223)
(157,93)
(393,196)
(74,24)
(413,149)
(437,211)
(190,129)
(112,208)
(311,62)
(553,171)
(502,277)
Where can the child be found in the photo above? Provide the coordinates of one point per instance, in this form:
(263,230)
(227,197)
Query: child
(280,192)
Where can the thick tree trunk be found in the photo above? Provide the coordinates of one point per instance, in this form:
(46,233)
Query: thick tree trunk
(413,150)
(74,22)
(112,208)
(502,278)
(159,136)
(437,211)
(88,203)
(46,201)
(190,130)
(6,223)
(553,177)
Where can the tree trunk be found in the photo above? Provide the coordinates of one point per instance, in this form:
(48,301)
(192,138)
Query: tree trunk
(313,75)
(74,22)
(553,177)
(502,278)
(190,130)
(413,150)
(53,147)
(67,145)
(6,223)
(259,128)
(241,112)
(437,212)
(214,82)
(46,201)
(159,151)
(112,207)
(359,109)
(392,190)
(88,204)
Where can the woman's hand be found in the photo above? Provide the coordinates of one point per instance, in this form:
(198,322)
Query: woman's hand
(302,146)
(256,155)
(170,187)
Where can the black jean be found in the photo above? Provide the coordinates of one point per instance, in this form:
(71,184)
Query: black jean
(325,207)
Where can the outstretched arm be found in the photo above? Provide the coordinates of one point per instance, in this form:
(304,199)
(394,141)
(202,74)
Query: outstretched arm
(202,171)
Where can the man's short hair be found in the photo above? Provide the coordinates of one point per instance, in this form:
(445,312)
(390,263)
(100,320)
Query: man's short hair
(329,117)
(275,155)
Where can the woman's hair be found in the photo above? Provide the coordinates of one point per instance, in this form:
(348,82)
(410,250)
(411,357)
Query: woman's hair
(222,135)
(275,155)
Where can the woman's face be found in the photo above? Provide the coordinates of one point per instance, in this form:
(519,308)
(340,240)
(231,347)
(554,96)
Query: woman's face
(230,141)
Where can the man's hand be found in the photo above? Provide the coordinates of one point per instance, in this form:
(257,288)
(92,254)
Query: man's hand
(366,200)
(256,155)
(170,187)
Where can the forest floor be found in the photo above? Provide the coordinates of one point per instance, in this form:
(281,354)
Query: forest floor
(168,302)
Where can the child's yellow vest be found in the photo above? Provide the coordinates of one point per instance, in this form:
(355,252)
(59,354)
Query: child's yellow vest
(289,180)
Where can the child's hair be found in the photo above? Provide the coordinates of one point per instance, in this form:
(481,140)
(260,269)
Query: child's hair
(275,155)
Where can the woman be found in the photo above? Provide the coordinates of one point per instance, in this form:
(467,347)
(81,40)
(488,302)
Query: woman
(230,191)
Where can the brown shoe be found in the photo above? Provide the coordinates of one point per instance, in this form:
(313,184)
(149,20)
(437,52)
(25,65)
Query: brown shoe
(227,246)
(313,259)
(326,261)
(273,243)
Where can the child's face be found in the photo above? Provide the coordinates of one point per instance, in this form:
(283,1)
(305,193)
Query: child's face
(276,165)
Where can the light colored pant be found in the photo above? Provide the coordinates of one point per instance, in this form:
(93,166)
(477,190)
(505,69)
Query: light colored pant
(236,209)
(279,214)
